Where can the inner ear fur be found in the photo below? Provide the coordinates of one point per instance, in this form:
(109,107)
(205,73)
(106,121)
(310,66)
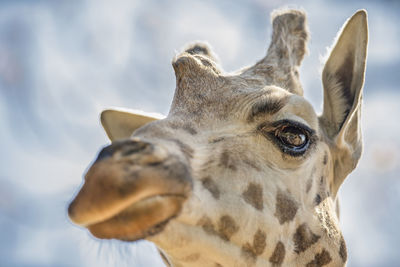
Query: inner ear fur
(343,80)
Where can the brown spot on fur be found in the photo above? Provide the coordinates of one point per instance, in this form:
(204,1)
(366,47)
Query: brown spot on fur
(207,225)
(282,52)
(247,251)
(309,185)
(320,259)
(254,196)
(325,160)
(210,185)
(278,255)
(304,238)
(226,161)
(286,207)
(321,181)
(189,128)
(227,227)
(259,242)
(317,199)
(343,249)
(258,246)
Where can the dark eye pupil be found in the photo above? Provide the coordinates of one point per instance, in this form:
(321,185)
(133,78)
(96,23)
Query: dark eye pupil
(292,136)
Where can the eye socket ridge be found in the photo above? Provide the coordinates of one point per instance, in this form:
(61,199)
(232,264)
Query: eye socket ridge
(292,137)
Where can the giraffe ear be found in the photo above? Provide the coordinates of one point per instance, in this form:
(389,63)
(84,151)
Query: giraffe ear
(121,123)
(343,80)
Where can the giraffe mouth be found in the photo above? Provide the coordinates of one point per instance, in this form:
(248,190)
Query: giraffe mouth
(139,220)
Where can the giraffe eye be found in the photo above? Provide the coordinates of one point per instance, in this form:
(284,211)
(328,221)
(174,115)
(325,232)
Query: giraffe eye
(293,140)
(292,136)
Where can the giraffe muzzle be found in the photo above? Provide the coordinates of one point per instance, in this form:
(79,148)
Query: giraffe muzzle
(131,191)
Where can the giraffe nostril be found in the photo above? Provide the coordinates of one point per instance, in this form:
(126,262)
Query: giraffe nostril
(133,147)
(125,147)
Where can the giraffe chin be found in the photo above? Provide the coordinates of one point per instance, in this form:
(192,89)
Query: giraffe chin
(142,219)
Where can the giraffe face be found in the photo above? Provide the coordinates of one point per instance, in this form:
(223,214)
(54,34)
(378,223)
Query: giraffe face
(249,185)
(206,175)
(242,171)
(169,161)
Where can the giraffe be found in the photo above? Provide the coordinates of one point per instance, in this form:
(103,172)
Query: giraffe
(242,171)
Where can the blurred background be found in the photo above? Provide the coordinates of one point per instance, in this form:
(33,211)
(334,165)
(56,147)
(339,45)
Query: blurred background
(62,62)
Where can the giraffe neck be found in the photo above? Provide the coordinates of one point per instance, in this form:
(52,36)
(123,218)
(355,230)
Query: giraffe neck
(300,239)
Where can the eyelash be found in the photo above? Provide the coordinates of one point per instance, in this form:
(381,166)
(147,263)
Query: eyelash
(272,131)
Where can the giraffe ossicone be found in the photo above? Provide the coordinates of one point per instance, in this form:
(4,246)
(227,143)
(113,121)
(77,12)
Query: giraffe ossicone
(242,171)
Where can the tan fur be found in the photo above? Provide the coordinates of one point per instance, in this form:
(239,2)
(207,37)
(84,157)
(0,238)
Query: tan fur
(212,184)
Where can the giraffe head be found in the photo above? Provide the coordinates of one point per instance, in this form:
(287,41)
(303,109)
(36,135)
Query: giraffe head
(242,171)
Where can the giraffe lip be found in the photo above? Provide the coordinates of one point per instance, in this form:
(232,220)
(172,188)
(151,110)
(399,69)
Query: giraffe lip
(141,219)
